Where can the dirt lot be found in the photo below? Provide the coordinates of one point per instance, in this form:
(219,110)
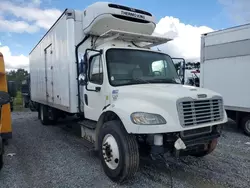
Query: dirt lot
(54,157)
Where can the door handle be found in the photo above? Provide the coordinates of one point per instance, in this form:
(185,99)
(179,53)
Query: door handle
(86,99)
(97,89)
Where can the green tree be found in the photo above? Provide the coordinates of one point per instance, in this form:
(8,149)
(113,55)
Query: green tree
(18,76)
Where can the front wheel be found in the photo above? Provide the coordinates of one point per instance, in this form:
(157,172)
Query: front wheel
(118,152)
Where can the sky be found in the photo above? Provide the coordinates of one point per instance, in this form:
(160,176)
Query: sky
(24,22)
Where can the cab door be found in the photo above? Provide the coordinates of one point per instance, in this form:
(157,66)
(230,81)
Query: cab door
(94,94)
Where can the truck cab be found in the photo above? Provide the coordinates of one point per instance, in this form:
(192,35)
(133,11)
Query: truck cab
(138,92)
(130,98)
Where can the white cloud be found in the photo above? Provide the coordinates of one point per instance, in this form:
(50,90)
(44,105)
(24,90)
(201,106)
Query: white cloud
(17,26)
(14,62)
(237,10)
(30,14)
(186,43)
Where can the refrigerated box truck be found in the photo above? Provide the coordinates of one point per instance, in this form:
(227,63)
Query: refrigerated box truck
(225,68)
(98,64)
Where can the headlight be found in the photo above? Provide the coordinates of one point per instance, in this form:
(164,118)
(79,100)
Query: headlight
(143,118)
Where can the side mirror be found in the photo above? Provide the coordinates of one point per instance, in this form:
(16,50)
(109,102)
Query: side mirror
(180,65)
(82,79)
(12,89)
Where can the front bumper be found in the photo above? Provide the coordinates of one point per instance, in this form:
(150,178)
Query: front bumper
(200,140)
(203,143)
(195,141)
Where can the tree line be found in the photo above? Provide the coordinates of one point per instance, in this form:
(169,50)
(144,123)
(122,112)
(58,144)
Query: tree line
(17,76)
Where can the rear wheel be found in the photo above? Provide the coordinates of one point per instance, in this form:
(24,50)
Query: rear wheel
(44,118)
(118,151)
(245,124)
(52,115)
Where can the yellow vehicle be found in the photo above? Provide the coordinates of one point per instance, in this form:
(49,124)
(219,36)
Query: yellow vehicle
(5,113)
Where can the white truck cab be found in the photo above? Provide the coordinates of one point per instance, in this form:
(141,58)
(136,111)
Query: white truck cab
(129,97)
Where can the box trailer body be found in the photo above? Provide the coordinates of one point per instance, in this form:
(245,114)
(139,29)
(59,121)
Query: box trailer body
(98,64)
(53,65)
(225,65)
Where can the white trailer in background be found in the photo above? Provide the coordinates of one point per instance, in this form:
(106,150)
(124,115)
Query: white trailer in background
(225,68)
(98,64)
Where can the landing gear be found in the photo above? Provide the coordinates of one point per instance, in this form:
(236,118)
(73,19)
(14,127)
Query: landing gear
(118,151)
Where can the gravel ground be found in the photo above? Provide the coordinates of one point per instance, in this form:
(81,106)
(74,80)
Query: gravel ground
(54,157)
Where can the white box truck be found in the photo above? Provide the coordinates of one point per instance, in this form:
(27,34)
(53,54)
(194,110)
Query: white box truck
(225,59)
(98,64)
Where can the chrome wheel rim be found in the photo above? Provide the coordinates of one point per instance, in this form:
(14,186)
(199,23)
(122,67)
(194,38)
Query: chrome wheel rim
(110,151)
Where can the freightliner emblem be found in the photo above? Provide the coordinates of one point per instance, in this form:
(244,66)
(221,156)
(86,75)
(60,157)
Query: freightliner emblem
(201,96)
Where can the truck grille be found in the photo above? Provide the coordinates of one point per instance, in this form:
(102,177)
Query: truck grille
(198,112)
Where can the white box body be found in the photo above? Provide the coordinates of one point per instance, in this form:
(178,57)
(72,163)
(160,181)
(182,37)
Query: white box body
(225,65)
(53,64)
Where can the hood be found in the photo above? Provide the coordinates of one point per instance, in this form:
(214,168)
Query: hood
(175,91)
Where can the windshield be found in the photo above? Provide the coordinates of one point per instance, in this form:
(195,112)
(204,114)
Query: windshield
(127,66)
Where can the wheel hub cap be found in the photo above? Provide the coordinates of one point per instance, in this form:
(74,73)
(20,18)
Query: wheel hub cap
(110,151)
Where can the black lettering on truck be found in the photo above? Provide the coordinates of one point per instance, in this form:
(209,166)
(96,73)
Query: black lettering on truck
(132,14)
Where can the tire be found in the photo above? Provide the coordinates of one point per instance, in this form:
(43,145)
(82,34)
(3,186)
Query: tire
(44,115)
(211,147)
(245,124)
(52,115)
(123,164)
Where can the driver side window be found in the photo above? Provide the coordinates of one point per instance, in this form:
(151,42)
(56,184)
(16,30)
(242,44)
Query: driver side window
(96,70)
